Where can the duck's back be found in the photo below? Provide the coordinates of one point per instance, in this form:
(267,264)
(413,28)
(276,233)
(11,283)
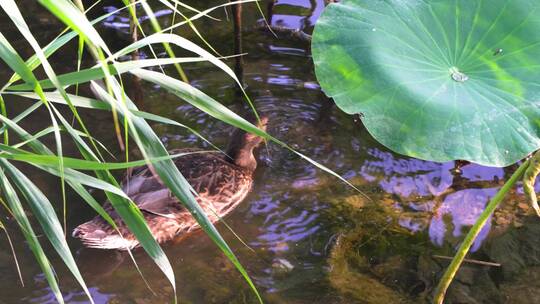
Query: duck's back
(220,184)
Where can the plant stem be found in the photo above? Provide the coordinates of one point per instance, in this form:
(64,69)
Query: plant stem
(473,233)
(239,62)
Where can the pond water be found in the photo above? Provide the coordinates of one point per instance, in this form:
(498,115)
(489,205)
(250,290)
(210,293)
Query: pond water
(311,238)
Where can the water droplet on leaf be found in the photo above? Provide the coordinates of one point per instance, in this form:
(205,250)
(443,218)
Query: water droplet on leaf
(457,75)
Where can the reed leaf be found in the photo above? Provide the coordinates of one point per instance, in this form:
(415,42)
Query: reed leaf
(90,103)
(127,210)
(69,14)
(150,143)
(79,164)
(189,46)
(94,73)
(215,109)
(22,220)
(46,216)
(33,62)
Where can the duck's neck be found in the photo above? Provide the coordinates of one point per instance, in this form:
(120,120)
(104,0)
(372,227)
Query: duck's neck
(243,157)
(241,152)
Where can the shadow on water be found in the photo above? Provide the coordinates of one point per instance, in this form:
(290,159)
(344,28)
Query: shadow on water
(311,238)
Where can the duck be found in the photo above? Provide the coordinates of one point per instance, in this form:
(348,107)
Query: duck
(222,182)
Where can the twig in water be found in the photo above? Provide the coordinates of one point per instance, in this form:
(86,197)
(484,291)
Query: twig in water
(484,263)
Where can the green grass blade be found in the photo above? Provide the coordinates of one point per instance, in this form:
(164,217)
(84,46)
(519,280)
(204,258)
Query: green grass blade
(66,12)
(157,28)
(15,15)
(24,113)
(80,52)
(90,103)
(13,12)
(133,218)
(44,212)
(189,46)
(37,135)
(87,197)
(33,62)
(20,216)
(210,106)
(15,259)
(75,19)
(465,246)
(191,25)
(167,121)
(4,112)
(135,21)
(128,211)
(79,164)
(15,62)
(152,147)
(264,19)
(125,208)
(181,42)
(70,174)
(191,8)
(7,52)
(204,13)
(94,73)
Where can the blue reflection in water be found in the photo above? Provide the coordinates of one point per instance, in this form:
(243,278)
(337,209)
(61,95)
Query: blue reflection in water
(464,207)
(315,8)
(426,187)
(282,226)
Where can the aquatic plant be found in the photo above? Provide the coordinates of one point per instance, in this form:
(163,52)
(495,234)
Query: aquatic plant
(440,81)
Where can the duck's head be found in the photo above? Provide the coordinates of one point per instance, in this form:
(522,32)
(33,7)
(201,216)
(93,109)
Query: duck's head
(242,144)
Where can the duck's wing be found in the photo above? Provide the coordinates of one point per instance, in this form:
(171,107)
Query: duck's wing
(150,195)
(220,184)
(217,181)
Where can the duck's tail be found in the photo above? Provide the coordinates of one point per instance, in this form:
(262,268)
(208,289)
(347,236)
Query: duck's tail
(94,236)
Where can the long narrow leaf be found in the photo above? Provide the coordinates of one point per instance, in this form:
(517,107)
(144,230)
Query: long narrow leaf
(166,46)
(204,13)
(189,46)
(210,106)
(127,210)
(15,15)
(150,143)
(33,62)
(74,18)
(70,174)
(91,103)
(191,25)
(15,62)
(44,212)
(20,216)
(89,74)
(15,259)
(80,164)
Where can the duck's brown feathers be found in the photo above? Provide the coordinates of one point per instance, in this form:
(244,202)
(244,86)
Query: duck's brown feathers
(221,185)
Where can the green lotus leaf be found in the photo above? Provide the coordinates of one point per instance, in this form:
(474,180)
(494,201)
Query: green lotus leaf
(436,80)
